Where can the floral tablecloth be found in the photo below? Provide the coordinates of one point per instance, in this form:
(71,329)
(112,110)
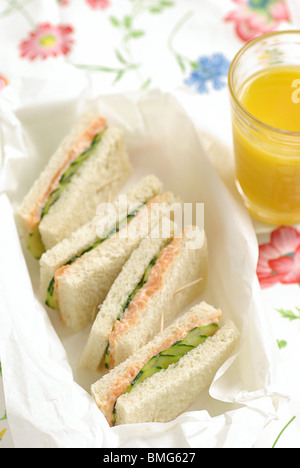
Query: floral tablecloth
(126,45)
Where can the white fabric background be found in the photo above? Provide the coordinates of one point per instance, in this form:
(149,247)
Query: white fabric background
(202,32)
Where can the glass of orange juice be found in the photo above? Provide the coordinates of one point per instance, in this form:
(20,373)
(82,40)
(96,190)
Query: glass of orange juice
(264,82)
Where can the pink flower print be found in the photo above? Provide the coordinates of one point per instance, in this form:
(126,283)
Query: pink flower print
(279,260)
(255,17)
(47,41)
(63,2)
(280,12)
(3,82)
(98,4)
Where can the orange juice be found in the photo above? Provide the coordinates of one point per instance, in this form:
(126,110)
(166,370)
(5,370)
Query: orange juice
(273,97)
(267,143)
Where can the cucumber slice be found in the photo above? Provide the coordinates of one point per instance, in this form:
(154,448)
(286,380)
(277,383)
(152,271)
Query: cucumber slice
(138,288)
(35,244)
(172,355)
(106,360)
(50,299)
(130,298)
(75,165)
(69,173)
(53,197)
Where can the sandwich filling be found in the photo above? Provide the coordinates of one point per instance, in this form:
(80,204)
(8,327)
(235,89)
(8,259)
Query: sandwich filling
(184,340)
(51,299)
(75,157)
(138,300)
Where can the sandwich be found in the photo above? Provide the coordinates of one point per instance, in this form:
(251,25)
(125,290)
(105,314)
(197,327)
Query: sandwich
(77,273)
(90,165)
(146,296)
(160,381)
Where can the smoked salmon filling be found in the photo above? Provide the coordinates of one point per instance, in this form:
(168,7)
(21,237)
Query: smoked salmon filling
(171,350)
(51,300)
(137,302)
(77,155)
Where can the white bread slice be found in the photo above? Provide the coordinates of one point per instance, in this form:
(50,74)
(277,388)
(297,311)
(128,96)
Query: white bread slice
(125,283)
(169,392)
(85,284)
(109,162)
(163,306)
(147,188)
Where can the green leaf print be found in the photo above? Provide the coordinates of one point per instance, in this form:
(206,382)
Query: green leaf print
(281,432)
(281,344)
(130,31)
(289,314)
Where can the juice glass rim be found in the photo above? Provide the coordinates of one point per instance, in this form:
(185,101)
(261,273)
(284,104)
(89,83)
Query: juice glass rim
(233,92)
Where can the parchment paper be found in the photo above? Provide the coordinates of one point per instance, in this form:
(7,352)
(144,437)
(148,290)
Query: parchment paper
(47,397)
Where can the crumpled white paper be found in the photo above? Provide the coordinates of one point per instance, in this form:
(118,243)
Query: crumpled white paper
(47,398)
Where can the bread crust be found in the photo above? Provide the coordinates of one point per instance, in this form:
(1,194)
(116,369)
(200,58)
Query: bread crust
(163,306)
(168,393)
(86,283)
(165,395)
(78,202)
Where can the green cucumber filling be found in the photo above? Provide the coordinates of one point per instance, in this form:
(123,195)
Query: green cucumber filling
(35,243)
(126,305)
(172,355)
(50,299)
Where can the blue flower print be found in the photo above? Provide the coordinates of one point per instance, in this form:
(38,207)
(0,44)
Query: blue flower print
(212,69)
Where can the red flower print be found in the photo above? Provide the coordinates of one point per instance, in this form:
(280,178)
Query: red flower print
(98,4)
(3,82)
(279,261)
(47,41)
(255,17)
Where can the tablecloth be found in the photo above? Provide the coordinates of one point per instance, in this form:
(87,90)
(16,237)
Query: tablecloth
(126,45)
